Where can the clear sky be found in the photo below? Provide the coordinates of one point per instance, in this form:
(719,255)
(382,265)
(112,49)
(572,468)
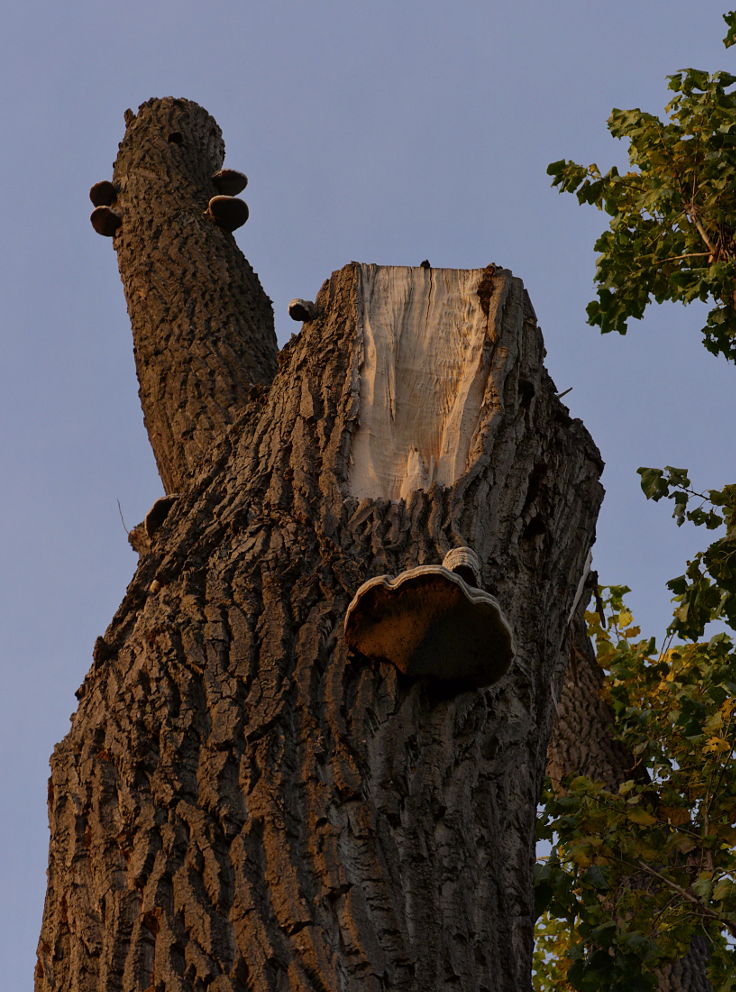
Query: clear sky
(388,132)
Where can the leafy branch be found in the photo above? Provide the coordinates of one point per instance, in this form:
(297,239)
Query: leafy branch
(679,194)
(655,857)
(637,870)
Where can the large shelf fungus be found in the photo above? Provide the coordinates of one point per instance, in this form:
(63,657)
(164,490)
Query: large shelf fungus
(430,621)
(103,194)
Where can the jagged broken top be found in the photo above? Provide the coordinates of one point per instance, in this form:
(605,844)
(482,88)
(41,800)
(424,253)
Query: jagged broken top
(426,361)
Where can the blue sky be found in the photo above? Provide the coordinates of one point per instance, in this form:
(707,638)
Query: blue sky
(385,132)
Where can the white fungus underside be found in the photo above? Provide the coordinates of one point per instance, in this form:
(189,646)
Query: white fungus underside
(422,379)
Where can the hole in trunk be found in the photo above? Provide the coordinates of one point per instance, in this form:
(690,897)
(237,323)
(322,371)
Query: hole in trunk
(535,528)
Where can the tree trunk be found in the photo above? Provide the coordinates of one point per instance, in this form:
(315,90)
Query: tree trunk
(583,740)
(242,803)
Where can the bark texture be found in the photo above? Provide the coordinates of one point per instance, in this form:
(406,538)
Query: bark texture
(583,740)
(240,804)
(202,325)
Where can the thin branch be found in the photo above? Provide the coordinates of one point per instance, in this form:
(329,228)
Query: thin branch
(713,788)
(727,924)
(701,231)
(676,258)
(122,518)
(666,645)
(672,901)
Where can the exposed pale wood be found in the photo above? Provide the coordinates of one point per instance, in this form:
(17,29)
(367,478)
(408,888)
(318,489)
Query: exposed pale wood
(427,367)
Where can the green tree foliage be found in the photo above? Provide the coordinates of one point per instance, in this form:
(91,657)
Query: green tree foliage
(635,873)
(672,232)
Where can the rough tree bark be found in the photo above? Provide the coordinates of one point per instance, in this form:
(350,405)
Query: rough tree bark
(242,804)
(202,326)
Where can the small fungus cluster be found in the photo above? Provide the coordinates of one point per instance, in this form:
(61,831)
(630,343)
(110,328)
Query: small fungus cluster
(225,209)
(141,536)
(104,219)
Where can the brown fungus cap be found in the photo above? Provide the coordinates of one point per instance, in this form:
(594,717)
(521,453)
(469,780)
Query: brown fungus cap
(228,212)
(158,513)
(229,182)
(103,193)
(105,221)
(430,623)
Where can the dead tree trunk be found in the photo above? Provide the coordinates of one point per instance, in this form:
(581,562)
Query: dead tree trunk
(241,802)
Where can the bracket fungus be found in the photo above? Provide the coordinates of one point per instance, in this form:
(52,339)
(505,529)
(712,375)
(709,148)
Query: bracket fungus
(433,621)
(228,212)
(105,221)
(303,310)
(103,193)
(230,182)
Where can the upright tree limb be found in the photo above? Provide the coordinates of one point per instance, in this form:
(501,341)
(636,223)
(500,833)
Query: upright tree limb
(202,326)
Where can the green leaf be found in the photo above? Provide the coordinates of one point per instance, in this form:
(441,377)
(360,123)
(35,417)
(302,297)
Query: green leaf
(703,886)
(596,877)
(725,890)
(653,483)
(641,817)
(730,19)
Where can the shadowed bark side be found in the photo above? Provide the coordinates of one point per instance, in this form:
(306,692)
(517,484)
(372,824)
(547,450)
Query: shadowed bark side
(242,805)
(689,974)
(584,742)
